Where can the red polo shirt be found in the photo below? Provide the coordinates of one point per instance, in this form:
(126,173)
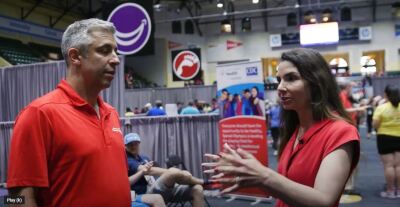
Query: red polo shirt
(72,157)
(301,164)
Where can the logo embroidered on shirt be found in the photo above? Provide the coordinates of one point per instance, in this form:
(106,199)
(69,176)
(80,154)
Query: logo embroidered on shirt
(117,130)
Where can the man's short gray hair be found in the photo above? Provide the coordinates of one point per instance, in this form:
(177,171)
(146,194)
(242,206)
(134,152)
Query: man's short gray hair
(77,35)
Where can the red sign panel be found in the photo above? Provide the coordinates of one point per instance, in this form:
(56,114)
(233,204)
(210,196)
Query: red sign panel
(248,133)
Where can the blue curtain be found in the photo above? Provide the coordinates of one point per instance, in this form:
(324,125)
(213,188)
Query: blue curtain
(189,137)
(19,85)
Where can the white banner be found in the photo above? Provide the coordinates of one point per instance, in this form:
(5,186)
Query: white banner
(239,73)
(242,108)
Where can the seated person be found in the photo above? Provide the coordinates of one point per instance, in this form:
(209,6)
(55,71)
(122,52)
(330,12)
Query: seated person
(173,184)
(153,200)
(157,110)
(190,109)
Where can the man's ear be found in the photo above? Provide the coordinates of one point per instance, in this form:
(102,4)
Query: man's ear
(74,56)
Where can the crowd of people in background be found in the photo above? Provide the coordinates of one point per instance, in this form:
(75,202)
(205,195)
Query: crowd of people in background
(379,113)
(192,107)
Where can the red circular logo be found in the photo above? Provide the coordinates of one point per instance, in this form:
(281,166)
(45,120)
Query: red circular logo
(186,65)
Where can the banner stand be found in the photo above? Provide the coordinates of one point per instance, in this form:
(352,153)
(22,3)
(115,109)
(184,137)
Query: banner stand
(257,200)
(242,110)
(232,197)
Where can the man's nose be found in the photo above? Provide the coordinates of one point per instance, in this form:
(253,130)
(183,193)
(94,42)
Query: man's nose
(115,59)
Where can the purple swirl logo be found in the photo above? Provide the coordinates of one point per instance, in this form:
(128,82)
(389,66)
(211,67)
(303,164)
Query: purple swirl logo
(133,27)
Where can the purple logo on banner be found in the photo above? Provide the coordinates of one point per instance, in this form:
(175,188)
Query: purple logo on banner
(133,27)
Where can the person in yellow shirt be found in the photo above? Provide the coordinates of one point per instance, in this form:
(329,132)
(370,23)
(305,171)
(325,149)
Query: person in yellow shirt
(129,112)
(386,120)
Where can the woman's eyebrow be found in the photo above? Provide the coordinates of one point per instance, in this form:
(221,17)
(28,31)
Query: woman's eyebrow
(291,74)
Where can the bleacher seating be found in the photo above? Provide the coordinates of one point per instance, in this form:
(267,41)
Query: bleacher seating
(16,53)
(134,80)
(49,52)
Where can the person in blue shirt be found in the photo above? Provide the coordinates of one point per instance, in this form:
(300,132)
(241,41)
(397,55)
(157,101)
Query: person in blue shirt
(190,109)
(226,104)
(172,184)
(230,106)
(246,106)
(274,118)
(157,110)
(223,103)
(136,179)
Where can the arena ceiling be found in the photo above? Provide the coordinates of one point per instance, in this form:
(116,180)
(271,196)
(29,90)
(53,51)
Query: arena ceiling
(200,10)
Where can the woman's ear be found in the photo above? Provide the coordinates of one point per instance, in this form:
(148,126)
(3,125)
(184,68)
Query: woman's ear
(74,56)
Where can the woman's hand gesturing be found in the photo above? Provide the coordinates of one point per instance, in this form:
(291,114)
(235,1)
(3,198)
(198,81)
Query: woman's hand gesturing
(237,169)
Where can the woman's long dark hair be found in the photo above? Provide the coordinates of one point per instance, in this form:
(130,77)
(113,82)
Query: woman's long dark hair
(251,94)
(393,94)
(325,101)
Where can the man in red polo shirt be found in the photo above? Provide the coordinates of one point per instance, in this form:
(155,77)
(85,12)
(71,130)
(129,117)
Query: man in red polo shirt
(67,147)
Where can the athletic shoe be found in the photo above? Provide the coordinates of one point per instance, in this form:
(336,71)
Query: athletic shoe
(388,194)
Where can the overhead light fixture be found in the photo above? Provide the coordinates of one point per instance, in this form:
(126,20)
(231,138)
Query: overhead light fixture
(327,15)
(220,4)
(226,26)
(255,1)
(310,18)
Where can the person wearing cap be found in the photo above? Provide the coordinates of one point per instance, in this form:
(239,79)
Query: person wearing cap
(154,200)
(67,146)
(157,110)
(173,184)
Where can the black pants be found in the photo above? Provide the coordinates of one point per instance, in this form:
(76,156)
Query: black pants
(369,123)
(275,137)
(387,144)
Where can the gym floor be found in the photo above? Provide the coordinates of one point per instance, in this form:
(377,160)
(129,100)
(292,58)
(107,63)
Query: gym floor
(369,181)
